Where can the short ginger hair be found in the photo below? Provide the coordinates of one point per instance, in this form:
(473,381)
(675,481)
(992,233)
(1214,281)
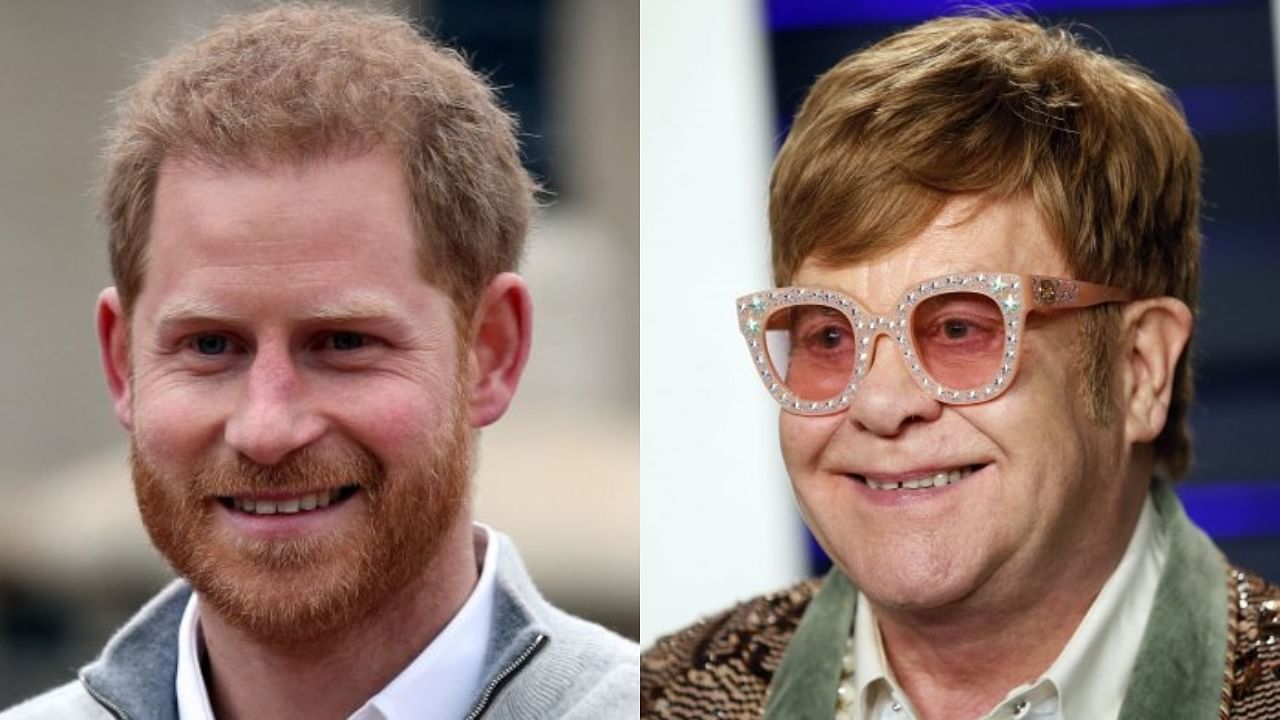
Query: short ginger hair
(294,83)
(1000,105)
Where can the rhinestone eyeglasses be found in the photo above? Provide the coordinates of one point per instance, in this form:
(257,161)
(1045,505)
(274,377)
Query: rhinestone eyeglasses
(959,334)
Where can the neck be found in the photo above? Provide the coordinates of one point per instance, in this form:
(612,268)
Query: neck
(335,675)
(954,667)
(962,660)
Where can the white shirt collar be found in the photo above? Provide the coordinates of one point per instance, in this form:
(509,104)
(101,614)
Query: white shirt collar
(1087,680)
(443,681)
(193,698)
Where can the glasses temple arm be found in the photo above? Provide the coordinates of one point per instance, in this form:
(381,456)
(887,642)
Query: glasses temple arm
(1052,293)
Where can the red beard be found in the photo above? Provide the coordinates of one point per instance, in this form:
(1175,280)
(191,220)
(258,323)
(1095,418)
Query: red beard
(295,591)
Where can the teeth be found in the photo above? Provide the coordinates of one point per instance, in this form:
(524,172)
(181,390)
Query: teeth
(291,506)
(940,479)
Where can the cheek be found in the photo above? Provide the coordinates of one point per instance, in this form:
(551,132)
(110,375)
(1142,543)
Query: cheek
(794,444)
(803,440)
(1043,404)
(1041,431)
(175,424)
(397,420)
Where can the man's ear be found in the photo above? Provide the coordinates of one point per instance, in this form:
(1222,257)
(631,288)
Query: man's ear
(501,331)
(1157,331)
(113,346)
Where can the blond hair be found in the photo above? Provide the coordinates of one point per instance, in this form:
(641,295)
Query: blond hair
(295,82)
(1001,105)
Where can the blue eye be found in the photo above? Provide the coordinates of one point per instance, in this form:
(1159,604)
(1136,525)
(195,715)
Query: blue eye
(347,341)
(211,344)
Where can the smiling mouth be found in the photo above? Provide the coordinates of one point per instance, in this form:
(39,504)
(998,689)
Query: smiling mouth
(923,482)
(290,504)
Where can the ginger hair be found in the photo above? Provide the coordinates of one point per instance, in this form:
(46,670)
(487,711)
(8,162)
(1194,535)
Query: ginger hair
(294,83)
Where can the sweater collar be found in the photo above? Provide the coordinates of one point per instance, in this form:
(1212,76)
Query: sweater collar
(134,676)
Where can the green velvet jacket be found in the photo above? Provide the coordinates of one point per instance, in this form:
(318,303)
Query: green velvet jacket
(1211,648)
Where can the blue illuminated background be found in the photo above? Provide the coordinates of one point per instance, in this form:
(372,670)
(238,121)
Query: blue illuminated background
(1217,56)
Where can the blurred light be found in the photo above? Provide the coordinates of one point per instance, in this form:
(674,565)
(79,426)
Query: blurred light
(1226,110)
(800,14)
(1232,510)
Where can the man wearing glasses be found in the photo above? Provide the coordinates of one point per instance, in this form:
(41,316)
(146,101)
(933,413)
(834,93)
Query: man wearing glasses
(986,247)
(315,215)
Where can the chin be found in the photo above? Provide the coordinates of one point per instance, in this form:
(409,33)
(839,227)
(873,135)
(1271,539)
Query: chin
(913,598)
(294,594)
(302,586)
(910,579)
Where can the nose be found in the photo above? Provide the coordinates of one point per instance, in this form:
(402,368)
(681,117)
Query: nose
(272,418)
(888,400)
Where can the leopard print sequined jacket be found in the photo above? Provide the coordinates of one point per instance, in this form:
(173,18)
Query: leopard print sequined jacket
(721,667)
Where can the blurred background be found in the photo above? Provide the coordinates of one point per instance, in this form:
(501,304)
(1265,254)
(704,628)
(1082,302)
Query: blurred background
(720,82)
(560,473)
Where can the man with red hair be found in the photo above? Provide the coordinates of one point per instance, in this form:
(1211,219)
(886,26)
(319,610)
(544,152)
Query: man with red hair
(315,215)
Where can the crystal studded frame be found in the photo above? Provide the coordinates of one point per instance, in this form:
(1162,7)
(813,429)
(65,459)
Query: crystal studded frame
(1016,295)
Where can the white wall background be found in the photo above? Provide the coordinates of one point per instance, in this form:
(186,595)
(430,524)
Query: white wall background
(717,520)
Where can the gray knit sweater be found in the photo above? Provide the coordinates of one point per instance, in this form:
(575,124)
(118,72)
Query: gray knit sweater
(541,663)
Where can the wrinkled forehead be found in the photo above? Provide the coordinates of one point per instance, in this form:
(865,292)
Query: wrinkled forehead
(284,236)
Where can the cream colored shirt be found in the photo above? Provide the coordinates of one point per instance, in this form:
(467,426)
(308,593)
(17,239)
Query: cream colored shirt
(1088,679)
(442,682)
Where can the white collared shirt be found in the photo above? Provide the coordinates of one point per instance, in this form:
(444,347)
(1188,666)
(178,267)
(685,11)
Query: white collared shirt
(442,682)
(1088,679)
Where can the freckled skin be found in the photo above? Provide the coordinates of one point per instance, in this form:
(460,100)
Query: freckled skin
(284,341)
(269,250)
(283,315)
(1053,506)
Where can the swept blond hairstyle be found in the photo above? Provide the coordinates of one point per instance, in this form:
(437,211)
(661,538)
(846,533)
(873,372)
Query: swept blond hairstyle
(1001,105)
(297,82)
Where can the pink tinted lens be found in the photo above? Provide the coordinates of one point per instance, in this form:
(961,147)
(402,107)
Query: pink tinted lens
(812,349)
(959,338)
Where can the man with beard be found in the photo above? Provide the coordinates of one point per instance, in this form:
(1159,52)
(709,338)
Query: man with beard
(986,256)
(314,216)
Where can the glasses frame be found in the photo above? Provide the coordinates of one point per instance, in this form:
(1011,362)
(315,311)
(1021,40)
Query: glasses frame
(1016,295)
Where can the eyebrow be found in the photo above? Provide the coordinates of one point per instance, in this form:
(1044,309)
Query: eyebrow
(356,306)
(184,310)
(351,308)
